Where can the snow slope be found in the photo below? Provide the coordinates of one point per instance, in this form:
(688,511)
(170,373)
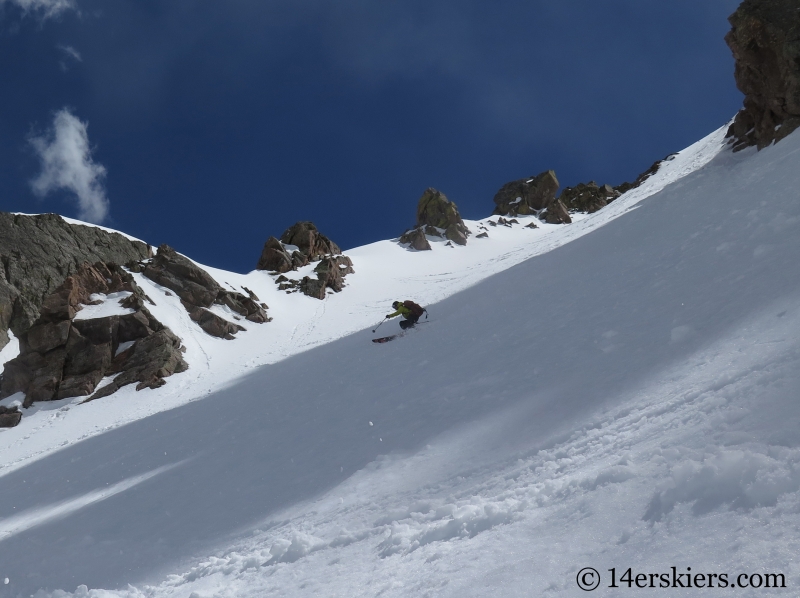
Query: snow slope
(384,272)
(627,399)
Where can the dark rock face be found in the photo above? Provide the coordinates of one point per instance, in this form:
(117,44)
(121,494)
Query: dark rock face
(312,243)
(146,363)
(435,210)
(556,213)
(437,216)
(199,291)
(455,234)
(765,41)
(526,196)
(211,323)
(587,197)
(416,239)
(38,252)
(61,357)
(330,275)
(9,417)
(275,258)
(182,276)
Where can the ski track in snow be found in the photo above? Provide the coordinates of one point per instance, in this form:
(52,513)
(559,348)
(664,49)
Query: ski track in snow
(668,439)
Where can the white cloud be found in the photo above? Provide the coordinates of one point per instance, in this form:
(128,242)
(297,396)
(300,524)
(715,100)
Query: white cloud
(70,54)
(67,164)
(47,8)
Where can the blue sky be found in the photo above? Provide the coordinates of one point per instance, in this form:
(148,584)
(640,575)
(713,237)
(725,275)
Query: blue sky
(211,125)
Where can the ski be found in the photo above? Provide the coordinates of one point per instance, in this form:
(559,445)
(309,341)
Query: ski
(386,339)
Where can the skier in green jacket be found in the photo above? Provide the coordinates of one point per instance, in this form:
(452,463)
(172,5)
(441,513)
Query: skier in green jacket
(410,311)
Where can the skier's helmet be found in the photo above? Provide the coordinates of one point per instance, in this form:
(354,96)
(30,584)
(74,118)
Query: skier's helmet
(395,304)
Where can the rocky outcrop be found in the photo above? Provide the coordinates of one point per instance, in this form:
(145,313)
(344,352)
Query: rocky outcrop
(534,195)
(556,213)
(38,252)
(311,245)
(211,323)
(300,245)
(526,196)
(765,41)
(330,273)
(63,355)
(275,258)
(435,210)
(9,416)
(416,239)
(437,216)
(198,291)
(587,197)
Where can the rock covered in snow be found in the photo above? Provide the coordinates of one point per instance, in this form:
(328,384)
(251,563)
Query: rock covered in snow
(330,275)
(765,41)
(198,291)
(64,355)
(311,246)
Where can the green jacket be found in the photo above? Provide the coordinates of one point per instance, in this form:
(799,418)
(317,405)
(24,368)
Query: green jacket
(401,311)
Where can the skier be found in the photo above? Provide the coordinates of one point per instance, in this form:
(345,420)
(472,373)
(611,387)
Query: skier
(410,311)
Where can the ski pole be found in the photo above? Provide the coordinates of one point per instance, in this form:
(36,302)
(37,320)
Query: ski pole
(379,324)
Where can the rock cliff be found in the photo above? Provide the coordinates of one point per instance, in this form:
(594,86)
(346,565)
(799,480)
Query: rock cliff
(765,41)
(69,350)
(38,252)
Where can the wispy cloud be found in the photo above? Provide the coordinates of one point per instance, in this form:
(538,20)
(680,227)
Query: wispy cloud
(69,54)
(67,163)
(46,8)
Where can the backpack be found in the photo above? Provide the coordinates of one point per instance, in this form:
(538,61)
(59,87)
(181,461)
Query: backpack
(415,309)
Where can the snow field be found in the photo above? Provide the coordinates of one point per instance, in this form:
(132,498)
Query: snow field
(587,500)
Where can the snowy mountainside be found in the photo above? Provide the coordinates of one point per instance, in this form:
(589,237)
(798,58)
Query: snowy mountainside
(384,272)
(627,399)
